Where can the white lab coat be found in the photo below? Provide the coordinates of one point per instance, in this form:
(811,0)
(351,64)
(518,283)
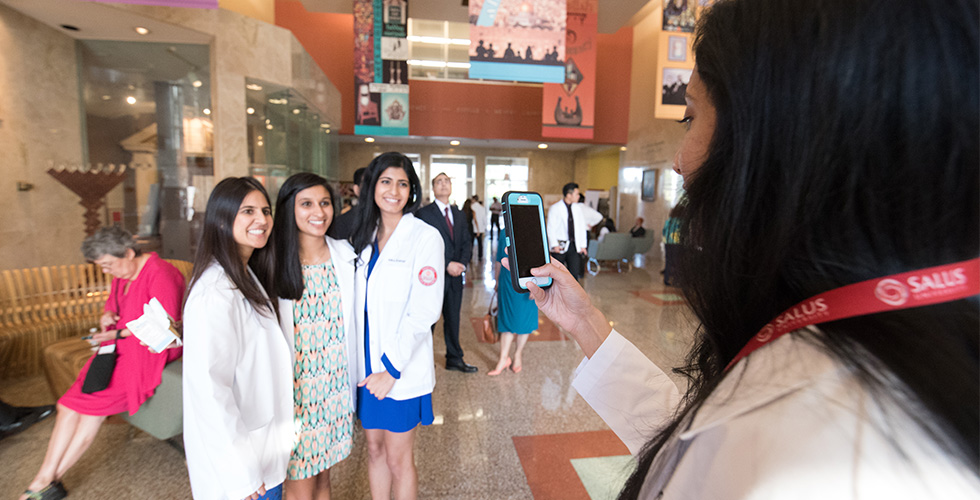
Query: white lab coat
(558,225)
(404,300)
(238,392)
(789,422)
(342,257)
(479,218)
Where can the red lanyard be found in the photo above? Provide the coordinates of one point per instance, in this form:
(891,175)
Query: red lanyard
(924,287)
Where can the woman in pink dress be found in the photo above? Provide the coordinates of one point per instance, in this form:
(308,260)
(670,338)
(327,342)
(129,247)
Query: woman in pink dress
(137,277)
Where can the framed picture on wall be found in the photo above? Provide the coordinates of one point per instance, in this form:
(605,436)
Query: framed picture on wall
(675,85)
(677,48)
(648,187)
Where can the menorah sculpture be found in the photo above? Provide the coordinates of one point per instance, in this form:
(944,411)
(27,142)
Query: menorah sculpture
(91,183)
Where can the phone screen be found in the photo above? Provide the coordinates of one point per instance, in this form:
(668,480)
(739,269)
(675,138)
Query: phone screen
(528,238)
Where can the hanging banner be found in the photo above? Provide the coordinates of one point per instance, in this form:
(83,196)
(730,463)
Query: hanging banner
(568,109)
(518,40)
(381,67)
(199,4)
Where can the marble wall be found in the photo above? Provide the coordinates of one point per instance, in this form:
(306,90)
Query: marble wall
(40,124)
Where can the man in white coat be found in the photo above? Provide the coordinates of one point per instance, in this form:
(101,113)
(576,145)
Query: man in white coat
(479,224)
(566,231)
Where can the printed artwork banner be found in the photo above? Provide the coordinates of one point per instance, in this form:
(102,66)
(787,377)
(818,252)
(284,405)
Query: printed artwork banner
(568,108)
(381,67)
(518,40)
(199,4)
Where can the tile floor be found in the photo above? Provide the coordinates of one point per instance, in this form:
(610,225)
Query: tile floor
(515,436)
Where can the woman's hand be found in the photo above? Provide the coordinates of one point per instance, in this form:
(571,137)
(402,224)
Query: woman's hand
(258,493)
(108,335)
(567,305)
(378,384)
(108,319)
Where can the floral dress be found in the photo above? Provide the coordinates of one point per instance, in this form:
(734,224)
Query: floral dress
(322,402)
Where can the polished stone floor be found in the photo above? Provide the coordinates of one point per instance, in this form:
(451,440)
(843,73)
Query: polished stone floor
(515,436)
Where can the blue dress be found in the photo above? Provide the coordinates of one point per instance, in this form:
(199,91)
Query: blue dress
(516,312)
(388,414)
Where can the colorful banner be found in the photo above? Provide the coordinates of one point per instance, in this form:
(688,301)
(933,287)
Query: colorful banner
(568,109)
(381,67)
(518,40)
(199,4)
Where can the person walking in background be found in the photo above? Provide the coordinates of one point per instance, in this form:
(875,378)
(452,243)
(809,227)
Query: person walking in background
(343,224)
(567,236)
(137,278)
(399,287)
(495,209)
(238,380)
(479,224)
(672,244)
(517,316)
(316,280)
(449,220)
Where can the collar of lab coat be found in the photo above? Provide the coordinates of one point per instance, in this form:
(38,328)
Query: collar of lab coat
(750,385)
(402,230)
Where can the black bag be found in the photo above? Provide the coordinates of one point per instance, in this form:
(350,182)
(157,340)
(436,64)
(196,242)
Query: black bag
(100,372)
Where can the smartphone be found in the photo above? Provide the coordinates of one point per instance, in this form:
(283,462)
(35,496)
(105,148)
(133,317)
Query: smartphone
(527,238)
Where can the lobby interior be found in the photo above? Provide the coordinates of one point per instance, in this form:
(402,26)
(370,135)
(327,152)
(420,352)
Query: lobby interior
(268,90)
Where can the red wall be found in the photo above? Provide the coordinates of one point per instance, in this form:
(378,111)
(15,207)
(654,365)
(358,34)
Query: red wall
(469,110)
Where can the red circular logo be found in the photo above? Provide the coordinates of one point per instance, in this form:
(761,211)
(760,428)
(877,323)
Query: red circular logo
(892,292)
(765,334)
(427,276)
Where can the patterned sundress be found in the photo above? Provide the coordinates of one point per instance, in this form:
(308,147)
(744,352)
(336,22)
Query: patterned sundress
(321,397)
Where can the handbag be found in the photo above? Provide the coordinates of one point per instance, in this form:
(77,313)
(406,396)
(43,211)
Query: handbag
(488,334)
(100,371)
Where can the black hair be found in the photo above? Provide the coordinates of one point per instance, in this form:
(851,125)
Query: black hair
(568,188)
(845,149)
(285,238)
(368,215)
(218,244)
(359,175)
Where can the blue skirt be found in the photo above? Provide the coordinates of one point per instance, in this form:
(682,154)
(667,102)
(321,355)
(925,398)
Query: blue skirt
(393,415)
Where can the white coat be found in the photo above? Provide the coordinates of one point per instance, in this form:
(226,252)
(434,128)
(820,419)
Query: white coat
(404,299)
(342,257)
(238,392)
(558,225)
(789,422)
(479,218)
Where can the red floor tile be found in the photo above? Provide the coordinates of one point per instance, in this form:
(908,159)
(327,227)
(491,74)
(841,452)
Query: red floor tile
(546,460)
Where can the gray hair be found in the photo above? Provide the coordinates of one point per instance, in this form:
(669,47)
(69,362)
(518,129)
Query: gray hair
(112,241)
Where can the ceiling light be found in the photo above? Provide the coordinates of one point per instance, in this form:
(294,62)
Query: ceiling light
(324,125)
(253,86)
(207,111)
(131,100)
(327,131)
(106,97)
(369,139)
(260,143)
(296,111)
(454,143)
(260,137)
(542,146)
(622,148)
(197,83)
(141,30)
(250,110)
(268,127)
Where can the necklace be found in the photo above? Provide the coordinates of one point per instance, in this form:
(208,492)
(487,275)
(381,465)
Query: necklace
(323,254)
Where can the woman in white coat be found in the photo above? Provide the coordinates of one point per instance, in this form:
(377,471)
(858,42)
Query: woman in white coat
(399,289)
(315,279)
(833,227)
(238,380)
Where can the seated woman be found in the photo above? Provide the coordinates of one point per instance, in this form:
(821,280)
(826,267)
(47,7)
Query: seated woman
(137,277)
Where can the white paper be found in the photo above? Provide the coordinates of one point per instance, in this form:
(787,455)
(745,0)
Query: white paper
(153,327)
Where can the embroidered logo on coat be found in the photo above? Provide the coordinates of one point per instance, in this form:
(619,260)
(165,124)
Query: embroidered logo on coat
(427,276)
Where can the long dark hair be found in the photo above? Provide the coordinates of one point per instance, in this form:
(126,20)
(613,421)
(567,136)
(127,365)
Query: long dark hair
(845,148)
(218,244)
(285,239)
(368,214)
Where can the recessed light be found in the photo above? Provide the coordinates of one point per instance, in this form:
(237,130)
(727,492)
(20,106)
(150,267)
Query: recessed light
(141,30)
(250,110)
(70,27)
(131,100)
(260,143)
(542,146)
(197,83)
(454,143)
(324,125)
(207,111)
(369,139)
(622,148)
(268,127)
(296,111)
(253,86)
(106,97)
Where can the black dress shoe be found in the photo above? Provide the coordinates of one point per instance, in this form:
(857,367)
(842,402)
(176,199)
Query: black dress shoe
(460,366)
(25,418)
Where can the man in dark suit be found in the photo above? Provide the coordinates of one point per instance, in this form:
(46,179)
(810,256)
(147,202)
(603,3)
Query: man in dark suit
(451,223)
(343,224)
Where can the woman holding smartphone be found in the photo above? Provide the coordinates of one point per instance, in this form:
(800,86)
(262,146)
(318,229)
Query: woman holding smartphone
(316,280)
(238,381)
(399,290)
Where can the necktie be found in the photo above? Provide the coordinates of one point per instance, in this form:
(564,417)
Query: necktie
(571,229)
(449,222)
